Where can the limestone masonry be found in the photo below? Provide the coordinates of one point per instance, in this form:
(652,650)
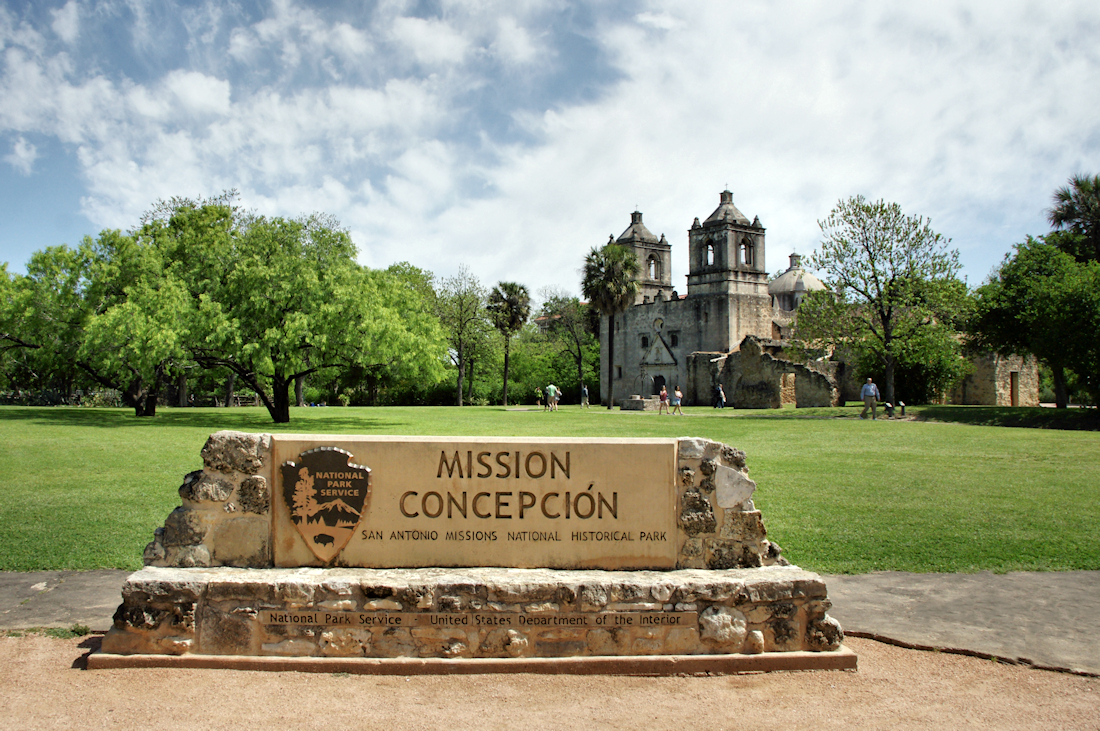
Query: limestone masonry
(432,547)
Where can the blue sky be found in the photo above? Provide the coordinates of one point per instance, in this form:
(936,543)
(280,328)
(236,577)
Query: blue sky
(513,136)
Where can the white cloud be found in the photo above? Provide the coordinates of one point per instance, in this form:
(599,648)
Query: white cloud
(66,21)
(513,43)
(662,21)
(22,156)
(431,42)
(970,113)
(197,93)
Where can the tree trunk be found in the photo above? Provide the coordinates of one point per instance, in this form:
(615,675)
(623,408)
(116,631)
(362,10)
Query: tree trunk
(372,388)
(461,372)
(181,389)
(279,408)
(580,374)
(888,380)
(230,383)
(470,383)
(134,396)
(610,361)
(1061,393)
(299,383)
(506,349)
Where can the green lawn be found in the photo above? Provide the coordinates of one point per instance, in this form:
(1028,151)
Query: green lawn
(85,488)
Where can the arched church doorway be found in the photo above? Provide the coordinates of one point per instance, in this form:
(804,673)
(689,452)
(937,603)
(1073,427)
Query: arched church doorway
(658,382)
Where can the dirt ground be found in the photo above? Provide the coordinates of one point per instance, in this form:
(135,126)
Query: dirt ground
(42,686)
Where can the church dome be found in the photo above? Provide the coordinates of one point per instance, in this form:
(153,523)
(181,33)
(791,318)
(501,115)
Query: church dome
(788,289)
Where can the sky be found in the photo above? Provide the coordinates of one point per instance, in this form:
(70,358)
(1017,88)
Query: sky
(512,136)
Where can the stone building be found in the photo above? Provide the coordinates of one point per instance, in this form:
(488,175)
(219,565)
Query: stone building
(727,299)
(731,327)
(999,380)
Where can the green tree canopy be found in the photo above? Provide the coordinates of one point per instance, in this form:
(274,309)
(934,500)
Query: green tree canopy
(568,322)
(509,306)
(288,300)
(895,296)
(610,283)
(460,306)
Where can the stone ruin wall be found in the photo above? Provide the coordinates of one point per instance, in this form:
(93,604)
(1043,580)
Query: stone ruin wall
(755,379)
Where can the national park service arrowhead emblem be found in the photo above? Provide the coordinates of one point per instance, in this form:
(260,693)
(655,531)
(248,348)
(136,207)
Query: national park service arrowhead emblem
(327,496)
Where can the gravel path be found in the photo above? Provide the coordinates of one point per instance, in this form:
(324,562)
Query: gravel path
(43,687)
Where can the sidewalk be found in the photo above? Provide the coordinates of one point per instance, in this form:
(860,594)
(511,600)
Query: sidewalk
(1047,619)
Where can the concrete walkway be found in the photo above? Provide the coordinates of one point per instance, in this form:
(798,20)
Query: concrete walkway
(1047,619)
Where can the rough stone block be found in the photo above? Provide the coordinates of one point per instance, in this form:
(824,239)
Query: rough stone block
(231,451)
(252,496)
(242,541)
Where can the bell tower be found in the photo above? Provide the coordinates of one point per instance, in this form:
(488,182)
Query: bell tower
(727,278)
(654,260)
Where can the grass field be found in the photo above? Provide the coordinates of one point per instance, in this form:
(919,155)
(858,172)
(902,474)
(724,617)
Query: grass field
(85,488)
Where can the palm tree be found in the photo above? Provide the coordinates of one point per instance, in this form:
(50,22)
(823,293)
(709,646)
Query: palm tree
(610,285)
(509,307)
(1077,210)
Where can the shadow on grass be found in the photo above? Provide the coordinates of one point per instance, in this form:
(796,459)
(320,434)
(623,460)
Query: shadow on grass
(1027,417)
(239,419)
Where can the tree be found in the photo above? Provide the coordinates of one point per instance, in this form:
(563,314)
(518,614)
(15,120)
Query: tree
(276,300)
(610,283)
(1043,302)
(895,290)
(568,321)
(509,307)
(461,310)
(106,312)
(1077,211)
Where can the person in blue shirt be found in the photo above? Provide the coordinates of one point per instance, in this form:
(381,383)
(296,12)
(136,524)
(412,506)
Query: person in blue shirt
(870,395)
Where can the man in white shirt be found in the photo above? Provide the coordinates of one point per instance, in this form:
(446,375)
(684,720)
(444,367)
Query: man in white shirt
(869,394)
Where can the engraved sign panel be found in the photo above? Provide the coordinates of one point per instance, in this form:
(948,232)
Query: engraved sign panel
(326,496)
(519,502)
(577,620)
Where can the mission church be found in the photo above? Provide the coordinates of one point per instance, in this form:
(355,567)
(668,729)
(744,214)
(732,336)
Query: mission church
(730,326)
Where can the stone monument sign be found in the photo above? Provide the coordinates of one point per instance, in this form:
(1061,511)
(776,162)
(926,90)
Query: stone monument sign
(467,549)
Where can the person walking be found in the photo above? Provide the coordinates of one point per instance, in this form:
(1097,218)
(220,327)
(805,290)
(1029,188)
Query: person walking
(870,395)
(677,397)
(720,400)
(584,397)
(663,408)
(552,397)
(538,396)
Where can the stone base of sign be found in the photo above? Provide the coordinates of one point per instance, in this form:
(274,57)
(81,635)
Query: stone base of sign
(767,662)
(473,613)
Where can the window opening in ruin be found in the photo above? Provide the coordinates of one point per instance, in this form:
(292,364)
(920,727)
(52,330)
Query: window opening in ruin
(654,268)
(710,254)
(618,371)
(746,254)
(675,339)
(645,341)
